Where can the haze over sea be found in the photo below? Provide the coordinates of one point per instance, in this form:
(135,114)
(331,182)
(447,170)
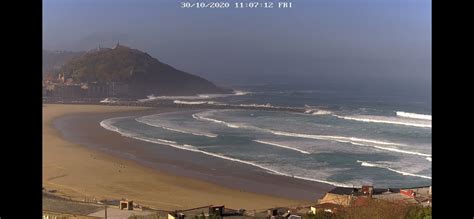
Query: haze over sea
(341,139)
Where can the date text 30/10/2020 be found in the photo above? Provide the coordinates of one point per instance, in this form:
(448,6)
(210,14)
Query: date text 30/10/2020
(282,4)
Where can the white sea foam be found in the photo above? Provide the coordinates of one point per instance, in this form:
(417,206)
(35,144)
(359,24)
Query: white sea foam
(321,181)
(429,159)
(355,141)
(281,146)
(249,105)
(192,133)
(322,112)
(107,124)
(367,164)
(145,121)
(189,102)
(413,115)
(257,105)
(201,102)
(203,118)
(253,105)
(317,112)
(224,104)
(387,120)
(334,137)
(240,93)
(109,100)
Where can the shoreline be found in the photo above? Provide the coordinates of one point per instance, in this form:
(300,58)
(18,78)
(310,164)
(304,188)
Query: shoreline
(84,170)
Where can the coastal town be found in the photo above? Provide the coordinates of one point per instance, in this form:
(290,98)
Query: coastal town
(61,88)
(335,203)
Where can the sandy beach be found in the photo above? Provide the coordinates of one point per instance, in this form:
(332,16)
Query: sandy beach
(77,171)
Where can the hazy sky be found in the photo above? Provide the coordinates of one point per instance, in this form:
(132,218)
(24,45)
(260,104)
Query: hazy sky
(358,44)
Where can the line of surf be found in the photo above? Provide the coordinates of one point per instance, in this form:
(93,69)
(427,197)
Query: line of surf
(107,124)
(190,102)
(413,115)
(203,118)
(143,121)
(195,97)
(380,120)
(354,141)
(281,146)
(367,164)
(316,111)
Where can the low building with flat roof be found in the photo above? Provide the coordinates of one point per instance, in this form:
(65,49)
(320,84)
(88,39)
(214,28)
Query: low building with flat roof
(126,205)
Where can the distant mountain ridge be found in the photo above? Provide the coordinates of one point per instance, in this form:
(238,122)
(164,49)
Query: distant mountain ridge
(144,74)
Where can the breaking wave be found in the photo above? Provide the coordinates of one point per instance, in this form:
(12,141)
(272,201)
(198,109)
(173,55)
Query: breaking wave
(257,105)
(240,93)
(387,120)
(190,102)
(367,164)
(413,115)
(203,118)
(144,121)
(281,146)
(317,112)
(224,104)
(109,100)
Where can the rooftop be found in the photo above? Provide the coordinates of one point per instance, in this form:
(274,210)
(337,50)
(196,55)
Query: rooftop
(343,191)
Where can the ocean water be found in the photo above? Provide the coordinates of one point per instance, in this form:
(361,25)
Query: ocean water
(340,138)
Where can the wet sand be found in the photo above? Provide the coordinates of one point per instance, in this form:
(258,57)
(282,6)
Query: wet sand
(80,158)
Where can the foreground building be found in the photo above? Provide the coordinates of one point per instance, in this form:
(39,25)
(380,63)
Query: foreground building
(344,196)
(214,211)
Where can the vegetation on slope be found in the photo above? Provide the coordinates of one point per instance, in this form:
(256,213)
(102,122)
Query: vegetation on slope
(144,74)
